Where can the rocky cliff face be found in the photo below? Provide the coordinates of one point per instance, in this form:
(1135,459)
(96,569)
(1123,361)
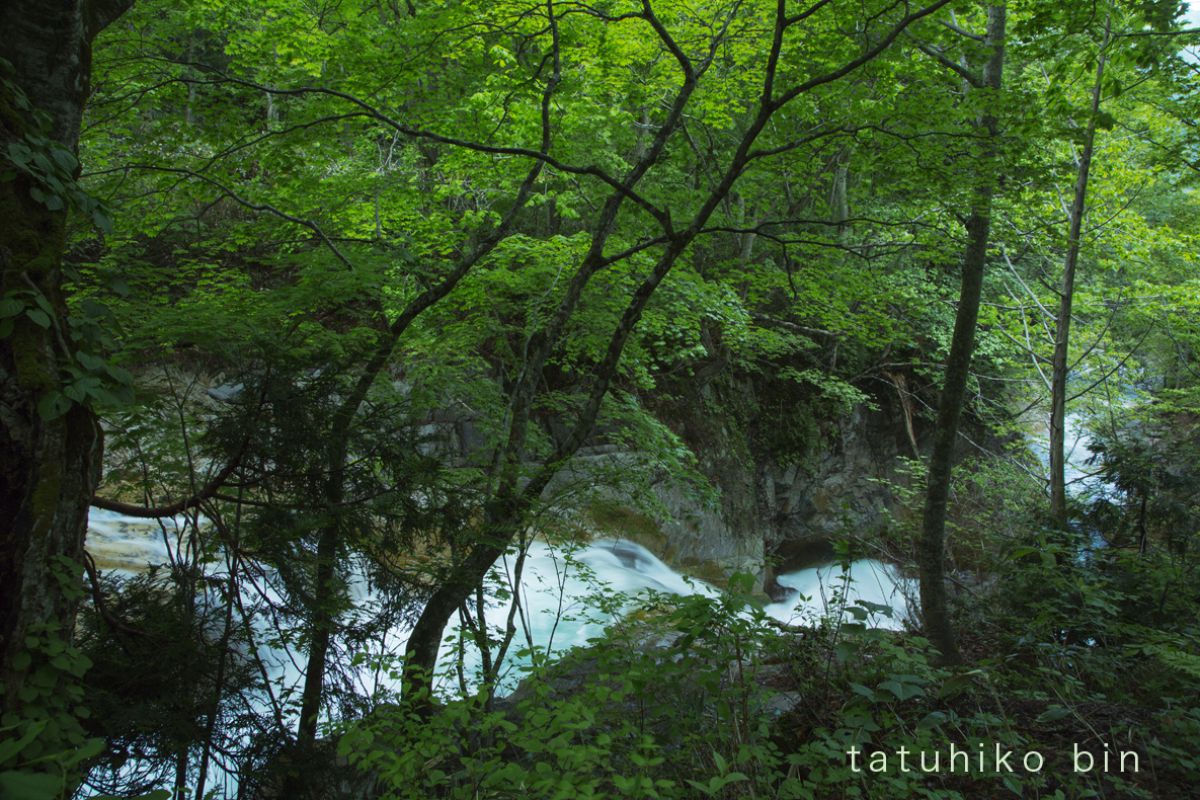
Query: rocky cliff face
(790,481)
(841,489)
(791,475)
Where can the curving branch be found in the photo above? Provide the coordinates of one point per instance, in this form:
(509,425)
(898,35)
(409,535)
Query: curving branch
(867,56)
(949,63)
(209,490)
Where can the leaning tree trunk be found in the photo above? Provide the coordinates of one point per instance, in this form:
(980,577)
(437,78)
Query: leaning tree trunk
(932,544)
(49,463)
(1062,330)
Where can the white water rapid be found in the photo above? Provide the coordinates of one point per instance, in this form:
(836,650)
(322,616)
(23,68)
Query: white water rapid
(563,592)
(568,596)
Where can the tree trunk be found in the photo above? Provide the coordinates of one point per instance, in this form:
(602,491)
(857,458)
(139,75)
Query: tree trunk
(49,464)
(320,632)
(932,545)
(421,652)
(1062,330)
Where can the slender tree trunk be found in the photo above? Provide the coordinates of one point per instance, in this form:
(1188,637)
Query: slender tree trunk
(214,708)
(839,192)
(320,631)
(421,652)
(49,467)
(180,790)
(932,545)
(1062,330)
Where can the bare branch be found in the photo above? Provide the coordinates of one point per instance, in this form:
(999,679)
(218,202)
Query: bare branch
(948,63)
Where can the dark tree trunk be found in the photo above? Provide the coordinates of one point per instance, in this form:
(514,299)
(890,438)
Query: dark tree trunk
(48,467)
(320,633)
(421,652)
(1062,330)
(932,544)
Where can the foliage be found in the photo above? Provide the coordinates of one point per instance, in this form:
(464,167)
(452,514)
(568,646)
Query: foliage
(675,701)
(45,748)
(667,705)
(345,279)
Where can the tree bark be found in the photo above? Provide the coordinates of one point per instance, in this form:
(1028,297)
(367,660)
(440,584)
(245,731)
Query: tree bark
(1062,329)
(932,545)
(49,468)
(320,631)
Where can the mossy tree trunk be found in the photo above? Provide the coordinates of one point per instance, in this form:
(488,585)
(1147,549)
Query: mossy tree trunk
(49,465)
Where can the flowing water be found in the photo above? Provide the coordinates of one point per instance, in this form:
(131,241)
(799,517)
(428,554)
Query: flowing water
(568,596)
(563,592)
(1080,477)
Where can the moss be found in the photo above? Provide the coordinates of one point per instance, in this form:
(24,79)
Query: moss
(614,518)
(46,496)
(707,571)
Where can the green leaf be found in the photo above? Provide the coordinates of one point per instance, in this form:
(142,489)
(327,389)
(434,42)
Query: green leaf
(39,317)
(65,160)
(864,691)
(119,374)
(902,690)
(19,153)
(1054,712)
(931,720)
(53,405)
(10,749)
(94,363)
(30,785)
(102,220)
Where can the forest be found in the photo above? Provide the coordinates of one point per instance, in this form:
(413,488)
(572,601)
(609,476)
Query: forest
(555,399)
